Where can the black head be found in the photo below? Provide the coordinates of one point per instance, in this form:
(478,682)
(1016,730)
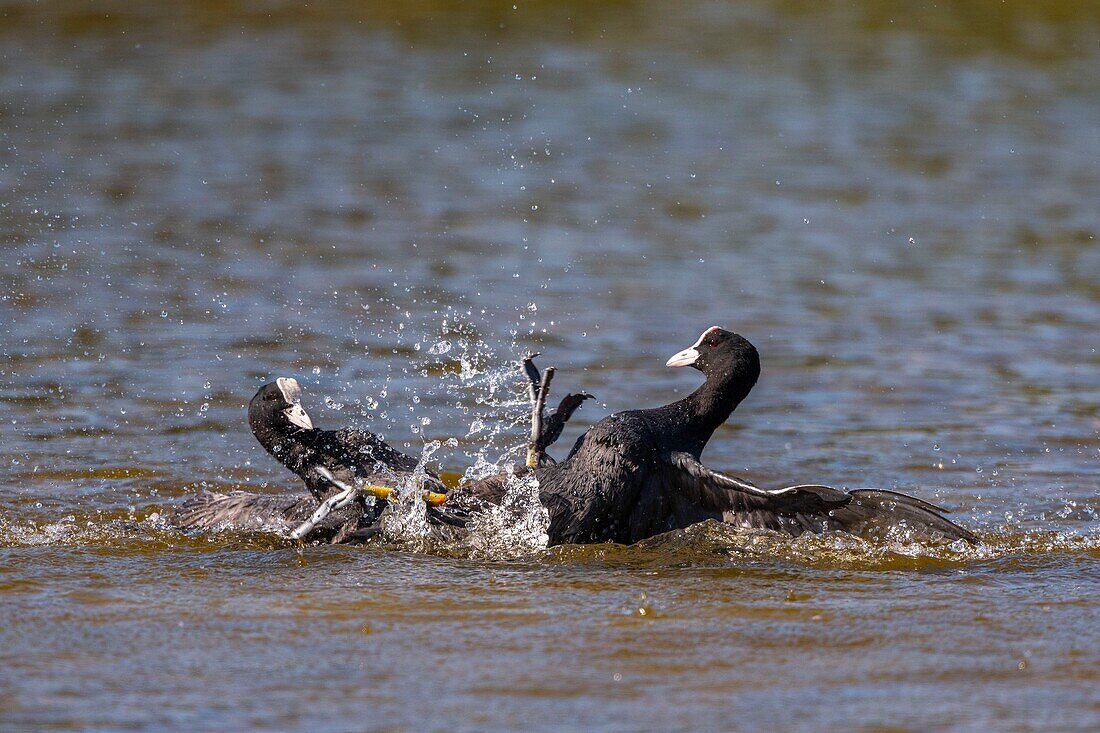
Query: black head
(278,406)
(721,354)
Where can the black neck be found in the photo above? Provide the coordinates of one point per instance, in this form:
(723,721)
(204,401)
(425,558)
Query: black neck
(711,405)
(289,447)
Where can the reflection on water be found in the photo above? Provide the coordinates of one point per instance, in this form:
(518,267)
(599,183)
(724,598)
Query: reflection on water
(392,201)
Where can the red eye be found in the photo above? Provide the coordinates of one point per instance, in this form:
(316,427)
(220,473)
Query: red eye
(712,343)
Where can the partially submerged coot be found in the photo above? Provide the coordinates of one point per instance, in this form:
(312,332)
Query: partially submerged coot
(319,457)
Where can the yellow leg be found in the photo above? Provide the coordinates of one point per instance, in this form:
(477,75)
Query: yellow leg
(434,498)
(383,492)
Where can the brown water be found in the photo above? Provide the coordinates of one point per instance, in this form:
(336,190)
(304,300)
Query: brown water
(897,204)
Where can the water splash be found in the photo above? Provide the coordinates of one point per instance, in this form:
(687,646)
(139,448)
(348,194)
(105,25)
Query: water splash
(406,523)
(516,531)
(714,544)
(519,526)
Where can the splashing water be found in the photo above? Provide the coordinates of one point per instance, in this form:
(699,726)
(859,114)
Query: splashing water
(407,525)
(467,372)
(714,544)
(519,526)
(517,530)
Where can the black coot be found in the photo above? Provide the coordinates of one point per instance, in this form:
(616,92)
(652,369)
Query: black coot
(637,473)
(285,430)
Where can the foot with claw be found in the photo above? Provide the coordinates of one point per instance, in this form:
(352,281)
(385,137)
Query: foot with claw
(545,431)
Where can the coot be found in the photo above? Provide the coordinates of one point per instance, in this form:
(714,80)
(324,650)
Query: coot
(324,459)
(638,473)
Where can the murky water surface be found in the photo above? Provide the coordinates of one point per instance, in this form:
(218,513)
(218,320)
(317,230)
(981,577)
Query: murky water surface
(899,207)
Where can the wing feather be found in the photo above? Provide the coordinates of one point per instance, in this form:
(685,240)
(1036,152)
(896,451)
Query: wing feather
(698,492)
(245,511)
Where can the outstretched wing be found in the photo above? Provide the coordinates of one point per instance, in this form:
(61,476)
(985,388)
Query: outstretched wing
(695,492)
(245,511)
(242,510)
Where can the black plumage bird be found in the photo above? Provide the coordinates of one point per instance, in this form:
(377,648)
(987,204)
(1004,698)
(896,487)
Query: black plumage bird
(349,456)
(638,473)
